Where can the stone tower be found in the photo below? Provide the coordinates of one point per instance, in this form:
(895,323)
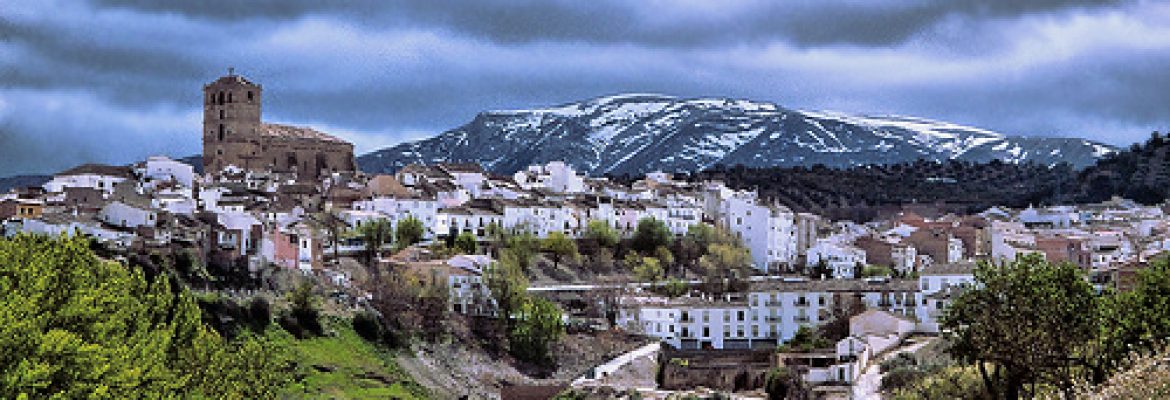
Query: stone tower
(231,123)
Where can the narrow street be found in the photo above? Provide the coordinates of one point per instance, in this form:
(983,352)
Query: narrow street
(869,384)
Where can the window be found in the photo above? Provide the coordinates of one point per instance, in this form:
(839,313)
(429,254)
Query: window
(221,113)
(221,132)
(249,95)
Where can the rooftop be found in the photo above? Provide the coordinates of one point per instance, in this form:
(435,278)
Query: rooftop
(98,169)
(297,132)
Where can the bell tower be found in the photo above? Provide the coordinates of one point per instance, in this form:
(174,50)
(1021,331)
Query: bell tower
(231,120)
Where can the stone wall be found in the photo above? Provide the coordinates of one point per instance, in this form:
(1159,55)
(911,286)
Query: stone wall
(729,370)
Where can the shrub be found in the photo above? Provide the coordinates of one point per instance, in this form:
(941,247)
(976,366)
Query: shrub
(368,326)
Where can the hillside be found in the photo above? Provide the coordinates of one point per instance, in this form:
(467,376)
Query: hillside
(862,193)
(639,133)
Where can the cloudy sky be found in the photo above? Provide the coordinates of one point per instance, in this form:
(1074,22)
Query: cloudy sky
(116,80)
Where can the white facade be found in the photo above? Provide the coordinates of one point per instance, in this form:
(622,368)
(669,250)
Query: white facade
(842,259)
(105,183)
(555,176)
(761,318)
(769,232)
(161,168)
(123,215)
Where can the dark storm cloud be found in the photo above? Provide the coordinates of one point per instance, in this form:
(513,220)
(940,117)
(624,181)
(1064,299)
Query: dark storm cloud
(659,23)
(117,80)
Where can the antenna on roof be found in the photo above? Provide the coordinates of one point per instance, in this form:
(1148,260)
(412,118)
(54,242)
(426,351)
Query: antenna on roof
(231,71)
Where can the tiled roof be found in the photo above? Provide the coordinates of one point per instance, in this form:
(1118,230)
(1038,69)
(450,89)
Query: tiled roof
(98,169)
(296,132)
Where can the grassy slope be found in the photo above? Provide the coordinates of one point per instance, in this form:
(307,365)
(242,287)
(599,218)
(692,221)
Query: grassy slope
(359,370)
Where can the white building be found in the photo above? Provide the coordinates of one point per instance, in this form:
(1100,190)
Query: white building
(555,176)
(161,169)
(770,313)
(94,176)
(936,285)
(842,259)
(768,231)
(128,214)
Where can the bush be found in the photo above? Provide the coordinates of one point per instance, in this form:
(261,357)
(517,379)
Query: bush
(368,326)
(901,377)
(901,360)
(259,314)
(303,319)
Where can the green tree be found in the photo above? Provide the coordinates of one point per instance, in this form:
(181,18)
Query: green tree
(75,326)
(497,238)
(410,231)
(648,269)
(560,245)
(782,383)
(508,285)
(605,235)
(725,268)
(1020,323)
(523,245)
(537,326)
(664,256)
(304,307)
(651,234)
(675,288)
(374,234)
(1134,321)
(466,243)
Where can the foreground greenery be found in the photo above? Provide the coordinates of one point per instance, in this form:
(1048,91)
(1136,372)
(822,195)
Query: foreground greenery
(1031,328)
(75,326)
(345,366)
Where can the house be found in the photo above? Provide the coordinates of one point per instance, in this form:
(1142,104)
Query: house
(888,252)
(768,231)
(129,212)
(937,243)
(937,284)
(96,176)
(768,314)
(870,333)
(238,233)
(468,176)
(20,208)
(158,169)
(555,176)
(842,259)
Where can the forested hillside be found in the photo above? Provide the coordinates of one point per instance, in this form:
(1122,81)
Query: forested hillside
(1141,173)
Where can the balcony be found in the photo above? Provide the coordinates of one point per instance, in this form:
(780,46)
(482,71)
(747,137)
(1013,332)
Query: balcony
(774,318)
(801,318)
(801,303)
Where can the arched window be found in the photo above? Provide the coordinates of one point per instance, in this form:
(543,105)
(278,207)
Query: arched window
(221,97)
(221,132)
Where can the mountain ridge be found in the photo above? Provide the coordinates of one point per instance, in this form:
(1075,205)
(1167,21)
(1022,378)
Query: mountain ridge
(638,132)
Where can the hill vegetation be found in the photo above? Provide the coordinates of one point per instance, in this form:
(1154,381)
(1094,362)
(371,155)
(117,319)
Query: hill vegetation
(1140,173)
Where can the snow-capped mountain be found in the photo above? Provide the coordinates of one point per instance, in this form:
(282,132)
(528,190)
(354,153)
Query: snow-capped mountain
(637,133)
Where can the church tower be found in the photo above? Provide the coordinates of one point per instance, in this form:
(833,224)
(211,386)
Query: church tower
(231,123)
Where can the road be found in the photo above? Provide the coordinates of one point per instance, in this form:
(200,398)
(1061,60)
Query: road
(869,384)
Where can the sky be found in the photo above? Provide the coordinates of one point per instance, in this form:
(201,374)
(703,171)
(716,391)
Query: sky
(114,81)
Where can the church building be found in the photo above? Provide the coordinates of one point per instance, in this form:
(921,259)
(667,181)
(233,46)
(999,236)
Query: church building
(233,134)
